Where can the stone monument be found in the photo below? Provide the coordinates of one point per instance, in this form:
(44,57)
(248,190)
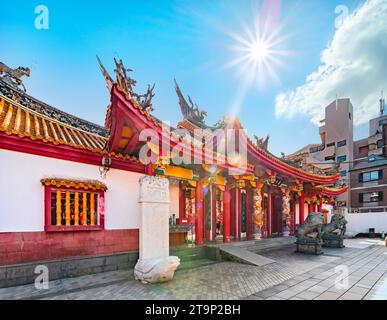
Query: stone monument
(154,264)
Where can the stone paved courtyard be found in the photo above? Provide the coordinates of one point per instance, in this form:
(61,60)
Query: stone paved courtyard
(293,276)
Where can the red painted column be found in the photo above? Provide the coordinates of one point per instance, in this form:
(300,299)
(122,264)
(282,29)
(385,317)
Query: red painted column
(226,213)
(269,213)
(319,207)
(181,201)
(213,212)
(149,169)
(238,214)
(199,214)
(301,204)
(248,213)
(310,208)
(292,217)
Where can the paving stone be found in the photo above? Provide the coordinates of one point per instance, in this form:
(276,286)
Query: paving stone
(328,295)
(291,276)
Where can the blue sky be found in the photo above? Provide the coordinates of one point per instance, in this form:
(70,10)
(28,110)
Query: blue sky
(162,40)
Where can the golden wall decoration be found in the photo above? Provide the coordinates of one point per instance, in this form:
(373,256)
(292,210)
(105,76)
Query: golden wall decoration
(258,210)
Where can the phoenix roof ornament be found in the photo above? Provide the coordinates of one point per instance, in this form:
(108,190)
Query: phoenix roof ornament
(126,83)
(13,76)
(262,143)
(190,111)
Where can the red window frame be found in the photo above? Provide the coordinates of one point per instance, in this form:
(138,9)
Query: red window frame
(48,227)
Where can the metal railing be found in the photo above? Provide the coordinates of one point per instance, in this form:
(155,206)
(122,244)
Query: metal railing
(367,210)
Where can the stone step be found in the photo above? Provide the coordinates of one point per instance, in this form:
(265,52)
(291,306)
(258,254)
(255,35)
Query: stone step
(238,254)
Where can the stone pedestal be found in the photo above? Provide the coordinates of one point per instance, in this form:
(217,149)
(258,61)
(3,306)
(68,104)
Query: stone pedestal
(155,264)
(286,232)
(257,236)
(333,241)
(309,246)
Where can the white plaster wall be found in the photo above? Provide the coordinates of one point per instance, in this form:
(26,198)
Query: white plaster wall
(361,222)
(22,194)
(174,198)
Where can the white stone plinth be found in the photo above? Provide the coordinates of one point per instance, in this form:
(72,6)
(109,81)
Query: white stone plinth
(156,270)
(155,264)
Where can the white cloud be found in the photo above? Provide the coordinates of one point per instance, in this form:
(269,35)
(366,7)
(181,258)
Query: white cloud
(353,65)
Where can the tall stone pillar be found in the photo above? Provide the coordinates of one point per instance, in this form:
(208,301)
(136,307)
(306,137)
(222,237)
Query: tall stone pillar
(199,214)
(226,212)
(155,264)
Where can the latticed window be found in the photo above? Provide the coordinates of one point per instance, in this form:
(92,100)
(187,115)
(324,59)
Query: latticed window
(73,205)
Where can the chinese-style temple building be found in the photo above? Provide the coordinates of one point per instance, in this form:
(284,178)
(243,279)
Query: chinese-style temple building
(70,187)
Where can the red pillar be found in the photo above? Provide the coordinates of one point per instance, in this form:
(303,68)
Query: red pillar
(181,201)
(269,213)
(149,169)
(301,204)
(293,218)
(199,214)
(226,212)
(213,212)
(249,212)
(310,208)
(319,207)
(239,214)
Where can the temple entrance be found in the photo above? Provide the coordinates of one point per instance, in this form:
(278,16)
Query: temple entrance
(218,214)
(276,225)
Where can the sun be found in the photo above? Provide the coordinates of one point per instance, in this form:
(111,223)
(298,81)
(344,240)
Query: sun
(259,51)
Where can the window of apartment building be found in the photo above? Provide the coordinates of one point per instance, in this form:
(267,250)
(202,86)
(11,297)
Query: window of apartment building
(329,158)
(382,122)
(379,143)
(341,158)
(331,144)
(73,205)
(341,143)
(374,196)
(370,176)
(343,173)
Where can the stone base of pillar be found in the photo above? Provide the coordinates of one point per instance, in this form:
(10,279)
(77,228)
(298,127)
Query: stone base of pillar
(257,236)
(286,232)
(156,270)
